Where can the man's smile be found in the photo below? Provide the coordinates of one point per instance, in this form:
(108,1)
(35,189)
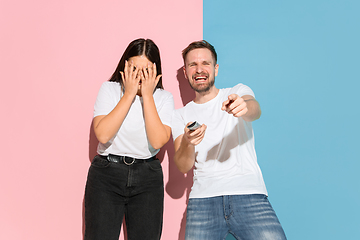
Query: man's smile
(200,78)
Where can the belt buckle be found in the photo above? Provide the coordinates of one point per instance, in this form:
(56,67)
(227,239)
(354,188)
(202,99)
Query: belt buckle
(124,160)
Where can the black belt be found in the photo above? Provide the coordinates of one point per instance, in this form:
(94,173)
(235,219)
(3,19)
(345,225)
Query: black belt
(127,160)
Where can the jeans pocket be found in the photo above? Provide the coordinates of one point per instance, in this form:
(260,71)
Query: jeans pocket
(154,165)
(100,162)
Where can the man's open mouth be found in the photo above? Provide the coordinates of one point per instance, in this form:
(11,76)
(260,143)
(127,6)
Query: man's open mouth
(200,78)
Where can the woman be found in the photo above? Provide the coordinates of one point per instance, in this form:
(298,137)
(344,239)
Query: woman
(132,115)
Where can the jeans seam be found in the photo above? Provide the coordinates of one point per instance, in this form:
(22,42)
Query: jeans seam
(129,177)
(230,207)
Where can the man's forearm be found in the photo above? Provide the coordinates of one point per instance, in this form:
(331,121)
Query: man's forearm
(184,157)
(254,111)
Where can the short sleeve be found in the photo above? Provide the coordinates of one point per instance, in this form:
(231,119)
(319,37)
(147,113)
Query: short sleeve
(177,124)
(241,90)
(166,109)
(107,98)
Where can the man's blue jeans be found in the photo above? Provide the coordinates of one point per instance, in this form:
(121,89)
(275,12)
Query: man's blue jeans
(114,190)
(246,217)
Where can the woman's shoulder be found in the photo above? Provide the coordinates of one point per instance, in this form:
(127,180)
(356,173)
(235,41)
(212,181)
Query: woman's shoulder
(110,85)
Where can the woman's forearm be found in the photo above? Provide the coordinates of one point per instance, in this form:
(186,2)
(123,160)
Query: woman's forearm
(158,134)
(106,126)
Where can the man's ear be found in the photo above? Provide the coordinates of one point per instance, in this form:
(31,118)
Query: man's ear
(216,69)
(184,71)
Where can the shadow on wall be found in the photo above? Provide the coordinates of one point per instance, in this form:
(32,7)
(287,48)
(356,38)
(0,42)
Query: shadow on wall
(93,143)
(178,183)
(187,94)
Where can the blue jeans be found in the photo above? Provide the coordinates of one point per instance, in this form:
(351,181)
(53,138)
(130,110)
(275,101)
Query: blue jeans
(114,190)
(246,217)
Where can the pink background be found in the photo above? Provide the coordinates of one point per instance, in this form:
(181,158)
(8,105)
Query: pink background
(54,57)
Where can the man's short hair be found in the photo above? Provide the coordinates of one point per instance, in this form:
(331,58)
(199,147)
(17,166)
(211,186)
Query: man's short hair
(199,44)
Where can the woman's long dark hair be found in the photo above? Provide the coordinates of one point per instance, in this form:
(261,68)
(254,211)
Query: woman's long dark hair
(139,47)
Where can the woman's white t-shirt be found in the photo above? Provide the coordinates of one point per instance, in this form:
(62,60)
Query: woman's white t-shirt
(131,139)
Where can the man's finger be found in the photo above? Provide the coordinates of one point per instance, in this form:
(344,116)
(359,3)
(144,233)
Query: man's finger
(241,113)
(224,105)
(233,97)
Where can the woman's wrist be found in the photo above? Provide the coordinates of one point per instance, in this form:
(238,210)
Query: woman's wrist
(128,96)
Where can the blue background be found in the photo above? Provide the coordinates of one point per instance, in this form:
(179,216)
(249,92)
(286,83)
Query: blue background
(301,58)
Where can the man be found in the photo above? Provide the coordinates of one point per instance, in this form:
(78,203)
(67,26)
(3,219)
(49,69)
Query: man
(228,194)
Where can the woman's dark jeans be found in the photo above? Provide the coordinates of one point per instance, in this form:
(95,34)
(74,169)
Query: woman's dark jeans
(115,189)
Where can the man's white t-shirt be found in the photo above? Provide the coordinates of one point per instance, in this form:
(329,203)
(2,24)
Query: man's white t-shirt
(226,162)
(131,139)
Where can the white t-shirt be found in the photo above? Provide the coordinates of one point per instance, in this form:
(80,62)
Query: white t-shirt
(226,162)
(131,139)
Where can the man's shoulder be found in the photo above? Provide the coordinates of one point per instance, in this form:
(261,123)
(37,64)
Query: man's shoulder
(187,105)
(240,89)
(237,86)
